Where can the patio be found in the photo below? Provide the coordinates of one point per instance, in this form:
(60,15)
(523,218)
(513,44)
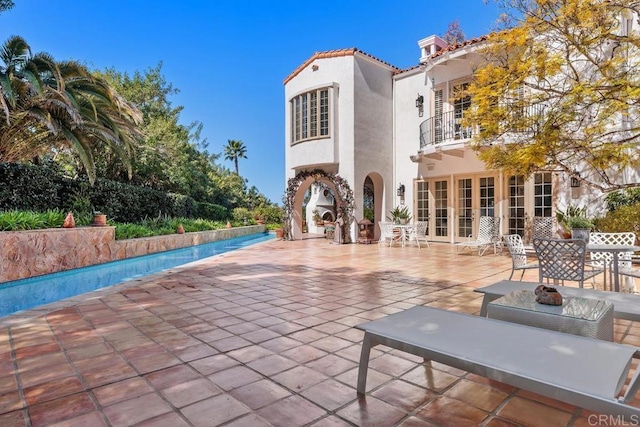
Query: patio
(262,336)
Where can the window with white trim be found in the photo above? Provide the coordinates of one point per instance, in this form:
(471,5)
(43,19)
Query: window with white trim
(310,115)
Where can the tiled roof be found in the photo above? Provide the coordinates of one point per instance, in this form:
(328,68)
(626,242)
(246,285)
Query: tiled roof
(449,48)
(352,51)
(457,46)
(333,54)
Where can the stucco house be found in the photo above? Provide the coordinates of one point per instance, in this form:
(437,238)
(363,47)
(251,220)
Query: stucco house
(398,134)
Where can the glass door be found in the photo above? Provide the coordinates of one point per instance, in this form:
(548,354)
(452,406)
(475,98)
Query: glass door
(464,208)
(440,226)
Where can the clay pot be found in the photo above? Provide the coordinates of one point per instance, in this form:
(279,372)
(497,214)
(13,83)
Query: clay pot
(279,233)
(180,229)
(228,224)
(69,221)
(99,220)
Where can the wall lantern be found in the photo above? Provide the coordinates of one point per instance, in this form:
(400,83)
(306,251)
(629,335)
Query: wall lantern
(419,105)
(401,190)
(575,180)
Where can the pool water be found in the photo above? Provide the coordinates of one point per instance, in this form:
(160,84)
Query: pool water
(35,291)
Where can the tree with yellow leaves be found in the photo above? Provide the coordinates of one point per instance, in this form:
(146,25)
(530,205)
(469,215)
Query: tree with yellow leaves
(560,90)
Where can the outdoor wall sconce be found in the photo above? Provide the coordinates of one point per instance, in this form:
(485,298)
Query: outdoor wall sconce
(401,191)
(575,180)
(420,104)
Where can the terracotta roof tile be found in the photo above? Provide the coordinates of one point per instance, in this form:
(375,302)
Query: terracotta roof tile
(333,54)
(457,46)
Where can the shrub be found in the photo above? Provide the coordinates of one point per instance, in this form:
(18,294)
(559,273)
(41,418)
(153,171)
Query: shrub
(623,218)
(240,214)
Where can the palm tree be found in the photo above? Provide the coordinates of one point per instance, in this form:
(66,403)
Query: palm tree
(47,107)
(235,150)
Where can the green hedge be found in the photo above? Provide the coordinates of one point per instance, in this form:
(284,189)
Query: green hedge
(42,187)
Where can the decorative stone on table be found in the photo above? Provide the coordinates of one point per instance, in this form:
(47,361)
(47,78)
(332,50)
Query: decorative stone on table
(548,295)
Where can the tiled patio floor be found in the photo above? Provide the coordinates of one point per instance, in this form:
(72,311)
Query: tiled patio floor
(257,337)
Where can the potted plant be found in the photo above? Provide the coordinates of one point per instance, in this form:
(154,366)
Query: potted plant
(580,227)
(99,219)
(317,218)
(575,222)
(400,215)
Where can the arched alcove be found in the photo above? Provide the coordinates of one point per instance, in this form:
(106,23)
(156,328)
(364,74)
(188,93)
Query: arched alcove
(296,188)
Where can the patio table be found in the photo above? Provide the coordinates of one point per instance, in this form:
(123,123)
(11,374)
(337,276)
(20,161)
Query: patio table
(405,229)
(615,250)
(587,317)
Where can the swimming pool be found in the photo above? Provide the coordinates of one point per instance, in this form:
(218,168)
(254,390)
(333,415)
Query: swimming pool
(35,291)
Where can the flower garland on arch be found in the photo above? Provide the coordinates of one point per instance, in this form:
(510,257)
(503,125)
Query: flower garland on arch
(345,197)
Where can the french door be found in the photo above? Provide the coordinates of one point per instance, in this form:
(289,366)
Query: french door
(433,202)
(476,196)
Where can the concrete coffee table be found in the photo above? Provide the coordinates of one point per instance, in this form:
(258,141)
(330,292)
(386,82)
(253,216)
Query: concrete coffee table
(579,316)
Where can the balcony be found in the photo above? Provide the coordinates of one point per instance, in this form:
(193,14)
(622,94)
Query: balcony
(443,128)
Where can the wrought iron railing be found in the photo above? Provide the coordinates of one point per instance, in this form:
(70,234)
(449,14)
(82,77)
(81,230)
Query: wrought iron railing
(447,127)
(444,127)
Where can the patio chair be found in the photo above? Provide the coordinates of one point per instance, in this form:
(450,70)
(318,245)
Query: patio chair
(604,259)
(387,233)
(488,236)
(518,255)
(419,233)
(562,260)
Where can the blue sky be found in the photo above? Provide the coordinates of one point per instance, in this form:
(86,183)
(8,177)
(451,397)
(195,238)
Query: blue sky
(229,58)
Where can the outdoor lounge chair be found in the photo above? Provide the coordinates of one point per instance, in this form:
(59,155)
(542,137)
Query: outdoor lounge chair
(488,236)
(581,371)
(518,254)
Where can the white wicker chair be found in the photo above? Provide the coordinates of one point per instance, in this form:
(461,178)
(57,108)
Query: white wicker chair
(419,233)
(604,259)
(488,236)
(518,255)
(387,233)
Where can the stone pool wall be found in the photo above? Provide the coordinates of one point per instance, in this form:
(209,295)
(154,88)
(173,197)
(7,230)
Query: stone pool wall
(36,252)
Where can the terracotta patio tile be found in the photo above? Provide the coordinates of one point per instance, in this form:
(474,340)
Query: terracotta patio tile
(501,422)
(46,374)
(154,362)
(52,390)
(93,419)
(391,365)
(251,420)
(286,327)
(108,375)
(299,378)
(403,395)
(331,421)
(37,350)
(171,376)
(190,392)
(144,350)
(330,394)
(278,345)
(481,396)
(214,411)
(371,412)
(260,335)
(121,390)
(195,352)
(234,377)
(271,365)
(58,410)
(524,411)
(136,410)
(8,382)
(228,344)
(13,419)
(304,353)
(331,344)
(170,419)
(212,364)
(308,335)
(433,379)
(86,352)
(291,412)
(250,353)
(374,378)
(331,365)
(260,393)
(10,401)
(443,410)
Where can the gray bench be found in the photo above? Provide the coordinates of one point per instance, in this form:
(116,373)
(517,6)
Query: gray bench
(625,306)
(585,372)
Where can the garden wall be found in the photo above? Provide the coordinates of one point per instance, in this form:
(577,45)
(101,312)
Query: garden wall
(36,252)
